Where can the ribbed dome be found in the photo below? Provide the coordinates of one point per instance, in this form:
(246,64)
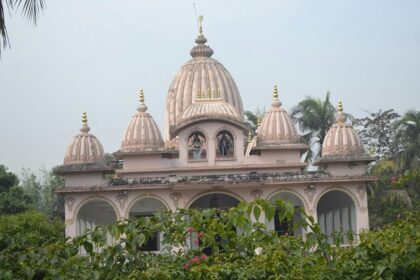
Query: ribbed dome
(215,109)
(276,126)
(85,147)
(200,75)
(341,139)
(142,133)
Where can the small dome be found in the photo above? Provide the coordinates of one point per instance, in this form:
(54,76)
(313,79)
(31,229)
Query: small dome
(276,126)
(142,133)
(85,147)
(200,74)
(341,139)
(210,109)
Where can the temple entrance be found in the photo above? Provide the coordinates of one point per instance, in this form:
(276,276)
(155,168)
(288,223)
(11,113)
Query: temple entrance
(287,227)
(146,207)
(336,213)
(213,200)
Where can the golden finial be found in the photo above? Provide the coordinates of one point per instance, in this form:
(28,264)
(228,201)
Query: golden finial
(85,128)
(340,106)
(200,25)
(84,118)
(275,91)
(258,120)
(249,137)
(141,96)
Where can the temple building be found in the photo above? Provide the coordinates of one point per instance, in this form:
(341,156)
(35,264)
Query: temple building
(208,159)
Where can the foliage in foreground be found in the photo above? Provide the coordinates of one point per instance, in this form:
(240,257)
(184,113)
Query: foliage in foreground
(254,253)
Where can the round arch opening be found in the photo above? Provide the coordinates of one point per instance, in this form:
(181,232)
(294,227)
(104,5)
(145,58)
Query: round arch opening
(215,200)
(147,207)
(336,213)
(96,212)
(287,227)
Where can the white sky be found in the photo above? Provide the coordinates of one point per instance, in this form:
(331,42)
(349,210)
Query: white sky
(95,55)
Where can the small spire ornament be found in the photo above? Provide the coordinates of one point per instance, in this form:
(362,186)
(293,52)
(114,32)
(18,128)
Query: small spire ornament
(85,128)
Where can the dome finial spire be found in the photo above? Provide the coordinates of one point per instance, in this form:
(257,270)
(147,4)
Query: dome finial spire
(200,25)
(341,117)
(276,102)
(85,128)
(340,106)
(275,91)
(142,107)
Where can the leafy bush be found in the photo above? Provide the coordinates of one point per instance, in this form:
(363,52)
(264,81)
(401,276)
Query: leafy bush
(240,249)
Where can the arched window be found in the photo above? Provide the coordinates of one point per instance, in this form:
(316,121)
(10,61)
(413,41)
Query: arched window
(225,144)
(287,227)
(146,207)
(197,146)
(336,213)
(96,212)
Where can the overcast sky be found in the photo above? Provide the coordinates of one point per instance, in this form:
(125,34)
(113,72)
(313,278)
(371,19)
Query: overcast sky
(94,55)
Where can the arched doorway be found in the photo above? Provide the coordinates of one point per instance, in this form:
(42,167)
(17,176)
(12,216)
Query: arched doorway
(95,212)
(146,207)
(287,227)
(336,213)
(215,200)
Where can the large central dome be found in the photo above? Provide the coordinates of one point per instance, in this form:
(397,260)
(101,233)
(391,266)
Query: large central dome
(200,76)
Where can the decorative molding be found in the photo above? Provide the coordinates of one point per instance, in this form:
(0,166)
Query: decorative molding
(310,191)
(311,212)
(257,193)
(122,198)
(175,197)
(69,222)
(70,202)
(362,192)
(363,209)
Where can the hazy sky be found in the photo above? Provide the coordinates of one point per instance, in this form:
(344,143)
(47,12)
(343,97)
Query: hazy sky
(94,55)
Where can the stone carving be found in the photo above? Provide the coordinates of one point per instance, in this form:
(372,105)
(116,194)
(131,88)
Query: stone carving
(70,202)
(363,209)
(175,197)
(362,191)
(310,191)
(311,212)
(257,193)
(122,199)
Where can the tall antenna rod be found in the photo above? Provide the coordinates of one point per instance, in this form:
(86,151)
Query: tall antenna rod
(196,16)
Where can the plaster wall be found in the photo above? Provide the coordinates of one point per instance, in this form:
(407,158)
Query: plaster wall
(85,179)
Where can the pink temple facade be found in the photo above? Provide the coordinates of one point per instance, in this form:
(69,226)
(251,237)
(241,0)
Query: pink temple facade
(208,158)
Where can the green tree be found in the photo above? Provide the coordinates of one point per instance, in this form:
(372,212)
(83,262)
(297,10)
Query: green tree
(378,132)
(408,134)
(314,117)
(13,198)
(40,187)
(252,119)
(29,8)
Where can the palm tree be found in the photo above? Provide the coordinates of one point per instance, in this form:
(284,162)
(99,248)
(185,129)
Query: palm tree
(252,119)
(314,117)
(29,8)
(408,134)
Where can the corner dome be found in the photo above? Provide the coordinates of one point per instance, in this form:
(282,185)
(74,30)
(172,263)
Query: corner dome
(277,127)
(341,140)
(85,147)
(200,75)
(142,134)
